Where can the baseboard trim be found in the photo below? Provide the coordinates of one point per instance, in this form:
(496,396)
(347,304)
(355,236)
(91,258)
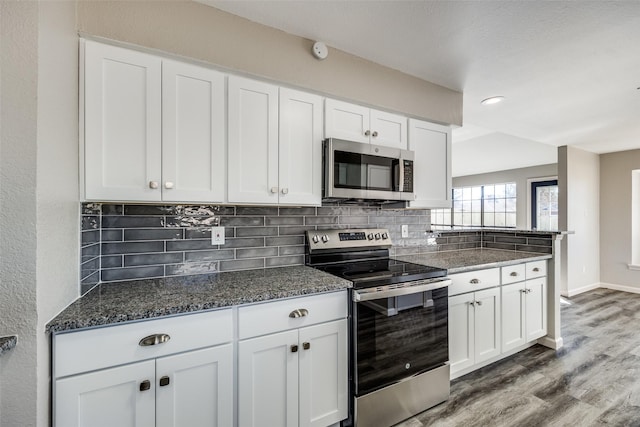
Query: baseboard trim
(574,292)
(631,289)
(553,343)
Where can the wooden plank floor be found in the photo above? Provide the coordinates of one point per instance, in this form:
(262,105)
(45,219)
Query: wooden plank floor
(594,380)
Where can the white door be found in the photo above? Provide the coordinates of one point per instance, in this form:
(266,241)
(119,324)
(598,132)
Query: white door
(300,148)
(123,397)
(536,308)
(388,129)
(431,144)
(513,309)
(268,380)
(346,121)
(487,324)
(122,124)
(461,332)
(195,388)
(323,374)
(253,141)
(193,134)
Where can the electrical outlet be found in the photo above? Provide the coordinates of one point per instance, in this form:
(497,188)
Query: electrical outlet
(405,231)
(217,235)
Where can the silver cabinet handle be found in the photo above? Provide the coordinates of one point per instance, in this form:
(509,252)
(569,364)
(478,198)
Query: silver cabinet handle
(164,381)
(285,190)
(367,132)
(472,302)
(524,291)
(375,133)
(513,274)
(274,190)
(168,185)
(536,269)
(294,348)
(145,385)
(153,185)
(474,281)
(154,339)
(306,345)
(479,302)
(528,291)
(298,312)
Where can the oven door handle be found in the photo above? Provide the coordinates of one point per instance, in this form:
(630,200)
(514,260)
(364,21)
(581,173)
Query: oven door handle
(389,291)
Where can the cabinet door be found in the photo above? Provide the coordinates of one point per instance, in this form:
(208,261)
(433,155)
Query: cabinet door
(388,129)
(268,380)
(107,398)
(300,148)
(461,332)
(487,324)
(346,121)
(323,374)
(193,134)
(431,144)
(122,124)
(513,309)
(253,141)
(195,388)
(536,308)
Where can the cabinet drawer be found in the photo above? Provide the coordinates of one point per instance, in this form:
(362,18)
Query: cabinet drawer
(474,280)
(266,318)
(513,273)
(536,269)
(88,350)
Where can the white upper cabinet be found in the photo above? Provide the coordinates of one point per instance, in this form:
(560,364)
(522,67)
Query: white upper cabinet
(431,144)
(193,134)
(300,148)
(275,144)
(360,124)
(122,123)
(153,128)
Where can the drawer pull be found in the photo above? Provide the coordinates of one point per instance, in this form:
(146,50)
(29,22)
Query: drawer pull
(479,302)
(164,381)
(145,385)
(474,281)
(536,269)
(306,345)
(298,312)
(294,348)
(154,339)
(514,274)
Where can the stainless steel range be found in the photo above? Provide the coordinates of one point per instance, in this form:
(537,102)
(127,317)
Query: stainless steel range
(399,331)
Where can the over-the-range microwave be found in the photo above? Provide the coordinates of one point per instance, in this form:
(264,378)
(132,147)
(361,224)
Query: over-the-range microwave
(354,170)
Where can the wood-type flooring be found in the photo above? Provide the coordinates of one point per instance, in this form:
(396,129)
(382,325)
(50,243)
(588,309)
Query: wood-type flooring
(594,380)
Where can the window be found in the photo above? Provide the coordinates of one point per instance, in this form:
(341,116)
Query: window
(492,205)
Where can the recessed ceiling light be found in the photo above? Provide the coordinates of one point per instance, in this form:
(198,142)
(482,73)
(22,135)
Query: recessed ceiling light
(492,100)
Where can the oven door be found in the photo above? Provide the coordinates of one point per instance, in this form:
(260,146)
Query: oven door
(398,336)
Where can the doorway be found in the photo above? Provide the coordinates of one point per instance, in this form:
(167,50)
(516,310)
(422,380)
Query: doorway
(544,205)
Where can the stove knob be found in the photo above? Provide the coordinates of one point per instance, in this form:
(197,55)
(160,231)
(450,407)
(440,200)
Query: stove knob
(325,238)
(370,236)
(377,236)
(385,236)
(315,239)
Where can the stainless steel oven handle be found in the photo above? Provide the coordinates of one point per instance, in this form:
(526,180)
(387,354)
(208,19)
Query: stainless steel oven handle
(394,291)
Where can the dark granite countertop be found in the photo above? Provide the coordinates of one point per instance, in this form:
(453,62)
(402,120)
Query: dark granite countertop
(110,303)
(7,343)
(472,259)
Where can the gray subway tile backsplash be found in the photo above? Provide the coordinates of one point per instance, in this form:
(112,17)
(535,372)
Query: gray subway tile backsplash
(122,241)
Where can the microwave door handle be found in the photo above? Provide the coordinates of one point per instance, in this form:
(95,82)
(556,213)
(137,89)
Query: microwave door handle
(400,175)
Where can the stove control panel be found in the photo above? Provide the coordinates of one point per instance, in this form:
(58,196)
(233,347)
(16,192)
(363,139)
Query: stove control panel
(346,239)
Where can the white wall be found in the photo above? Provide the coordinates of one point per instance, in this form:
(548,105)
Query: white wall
(39,198)
(579,212)
(615,214)
(519,176)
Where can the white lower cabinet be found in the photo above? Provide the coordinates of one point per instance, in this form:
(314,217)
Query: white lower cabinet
(295,377)
(193,388)
(524,312)
(474,328)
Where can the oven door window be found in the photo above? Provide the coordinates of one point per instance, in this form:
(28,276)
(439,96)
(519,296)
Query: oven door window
(365,172)
(400,337)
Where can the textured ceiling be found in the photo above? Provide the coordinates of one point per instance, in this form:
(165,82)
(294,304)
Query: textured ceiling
(570,71)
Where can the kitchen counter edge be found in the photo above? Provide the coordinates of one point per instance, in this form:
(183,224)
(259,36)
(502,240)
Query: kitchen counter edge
(109,304)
